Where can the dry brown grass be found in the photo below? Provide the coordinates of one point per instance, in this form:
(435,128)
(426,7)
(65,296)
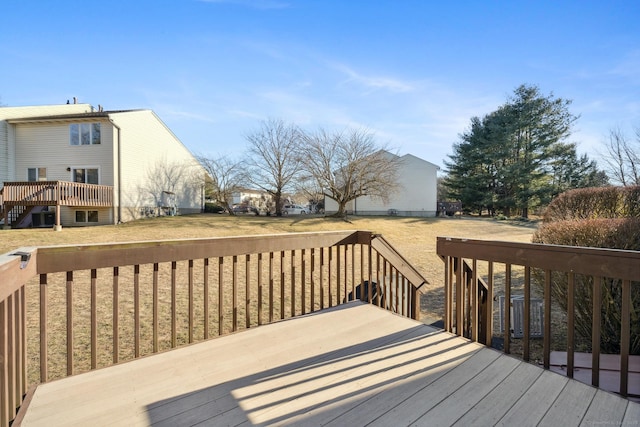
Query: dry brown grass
(414,238)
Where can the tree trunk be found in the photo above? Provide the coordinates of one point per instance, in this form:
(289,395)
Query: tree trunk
(342,212)
(276,199)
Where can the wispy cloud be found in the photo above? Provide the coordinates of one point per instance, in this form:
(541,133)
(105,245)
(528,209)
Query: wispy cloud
(374,82)
(629,67)
(253,4)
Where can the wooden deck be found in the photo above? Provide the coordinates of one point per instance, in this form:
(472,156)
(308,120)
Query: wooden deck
(348,366)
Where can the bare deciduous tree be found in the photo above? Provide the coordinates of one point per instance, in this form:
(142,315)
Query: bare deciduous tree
(273,162)
(623,157)
(348,165)
(226,177)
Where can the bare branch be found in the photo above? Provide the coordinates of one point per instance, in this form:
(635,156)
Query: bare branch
(622,157)
(273,163)
(226,178)
(348,165)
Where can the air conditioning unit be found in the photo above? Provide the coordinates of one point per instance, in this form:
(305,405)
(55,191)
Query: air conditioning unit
(536,324)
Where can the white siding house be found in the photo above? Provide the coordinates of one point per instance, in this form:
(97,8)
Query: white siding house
(417,195)
(145,166)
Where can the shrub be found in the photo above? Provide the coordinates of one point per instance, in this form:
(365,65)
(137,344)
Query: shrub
(213,208)
(593,203)
(614,233)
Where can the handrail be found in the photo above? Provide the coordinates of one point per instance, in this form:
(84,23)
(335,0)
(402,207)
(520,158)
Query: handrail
(29,193)
(621,268)
(157,295)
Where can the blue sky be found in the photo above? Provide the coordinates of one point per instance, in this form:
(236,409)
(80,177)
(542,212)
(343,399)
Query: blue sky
(413,72)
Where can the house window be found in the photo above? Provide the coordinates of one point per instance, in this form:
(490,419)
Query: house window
(84,133)
(36,174)
(86,175)
(86,216)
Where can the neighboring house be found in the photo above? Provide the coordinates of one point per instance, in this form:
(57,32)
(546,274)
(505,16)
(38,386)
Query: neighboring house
(246,195)
(417,195)
(259,199)
(73,165)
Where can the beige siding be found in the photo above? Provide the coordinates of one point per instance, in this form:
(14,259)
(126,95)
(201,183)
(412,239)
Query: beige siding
(417,195)
(68,216)
(138,155)
(7,154)
(154,160)
(47,145)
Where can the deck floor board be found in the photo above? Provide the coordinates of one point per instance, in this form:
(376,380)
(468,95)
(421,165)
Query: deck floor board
(350,365)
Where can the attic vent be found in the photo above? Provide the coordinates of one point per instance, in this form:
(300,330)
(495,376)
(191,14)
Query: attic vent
(536,326)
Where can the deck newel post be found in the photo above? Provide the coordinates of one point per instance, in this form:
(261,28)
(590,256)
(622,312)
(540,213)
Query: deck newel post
(447,297)
(415,306)
(58,226)
(475,304)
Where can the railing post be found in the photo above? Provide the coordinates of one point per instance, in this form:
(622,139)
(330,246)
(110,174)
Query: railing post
(489,306)
(527,313)
(448,301)
(547,320)
(507,308)
(625,337)
(596,331)
(459,297)
(5,414)
(474,301)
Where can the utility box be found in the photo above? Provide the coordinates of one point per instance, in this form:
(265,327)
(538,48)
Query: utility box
(536,325)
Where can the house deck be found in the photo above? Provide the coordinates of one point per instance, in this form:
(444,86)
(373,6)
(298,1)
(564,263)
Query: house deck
(354,364)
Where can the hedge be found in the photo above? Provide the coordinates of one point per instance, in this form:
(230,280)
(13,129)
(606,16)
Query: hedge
(592,217)
(593,203)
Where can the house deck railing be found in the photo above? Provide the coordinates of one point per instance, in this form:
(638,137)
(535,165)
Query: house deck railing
(476,271)
(18,198)
(63,193)
(69,309)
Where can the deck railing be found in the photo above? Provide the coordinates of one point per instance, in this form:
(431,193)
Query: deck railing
(69,309)
(535,268)
(56,193)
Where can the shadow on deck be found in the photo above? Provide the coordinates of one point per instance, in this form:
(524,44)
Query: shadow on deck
(354,364)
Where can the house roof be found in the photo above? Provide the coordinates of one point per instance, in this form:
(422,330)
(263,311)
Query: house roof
(418,158)
(74,116)
(411,156)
